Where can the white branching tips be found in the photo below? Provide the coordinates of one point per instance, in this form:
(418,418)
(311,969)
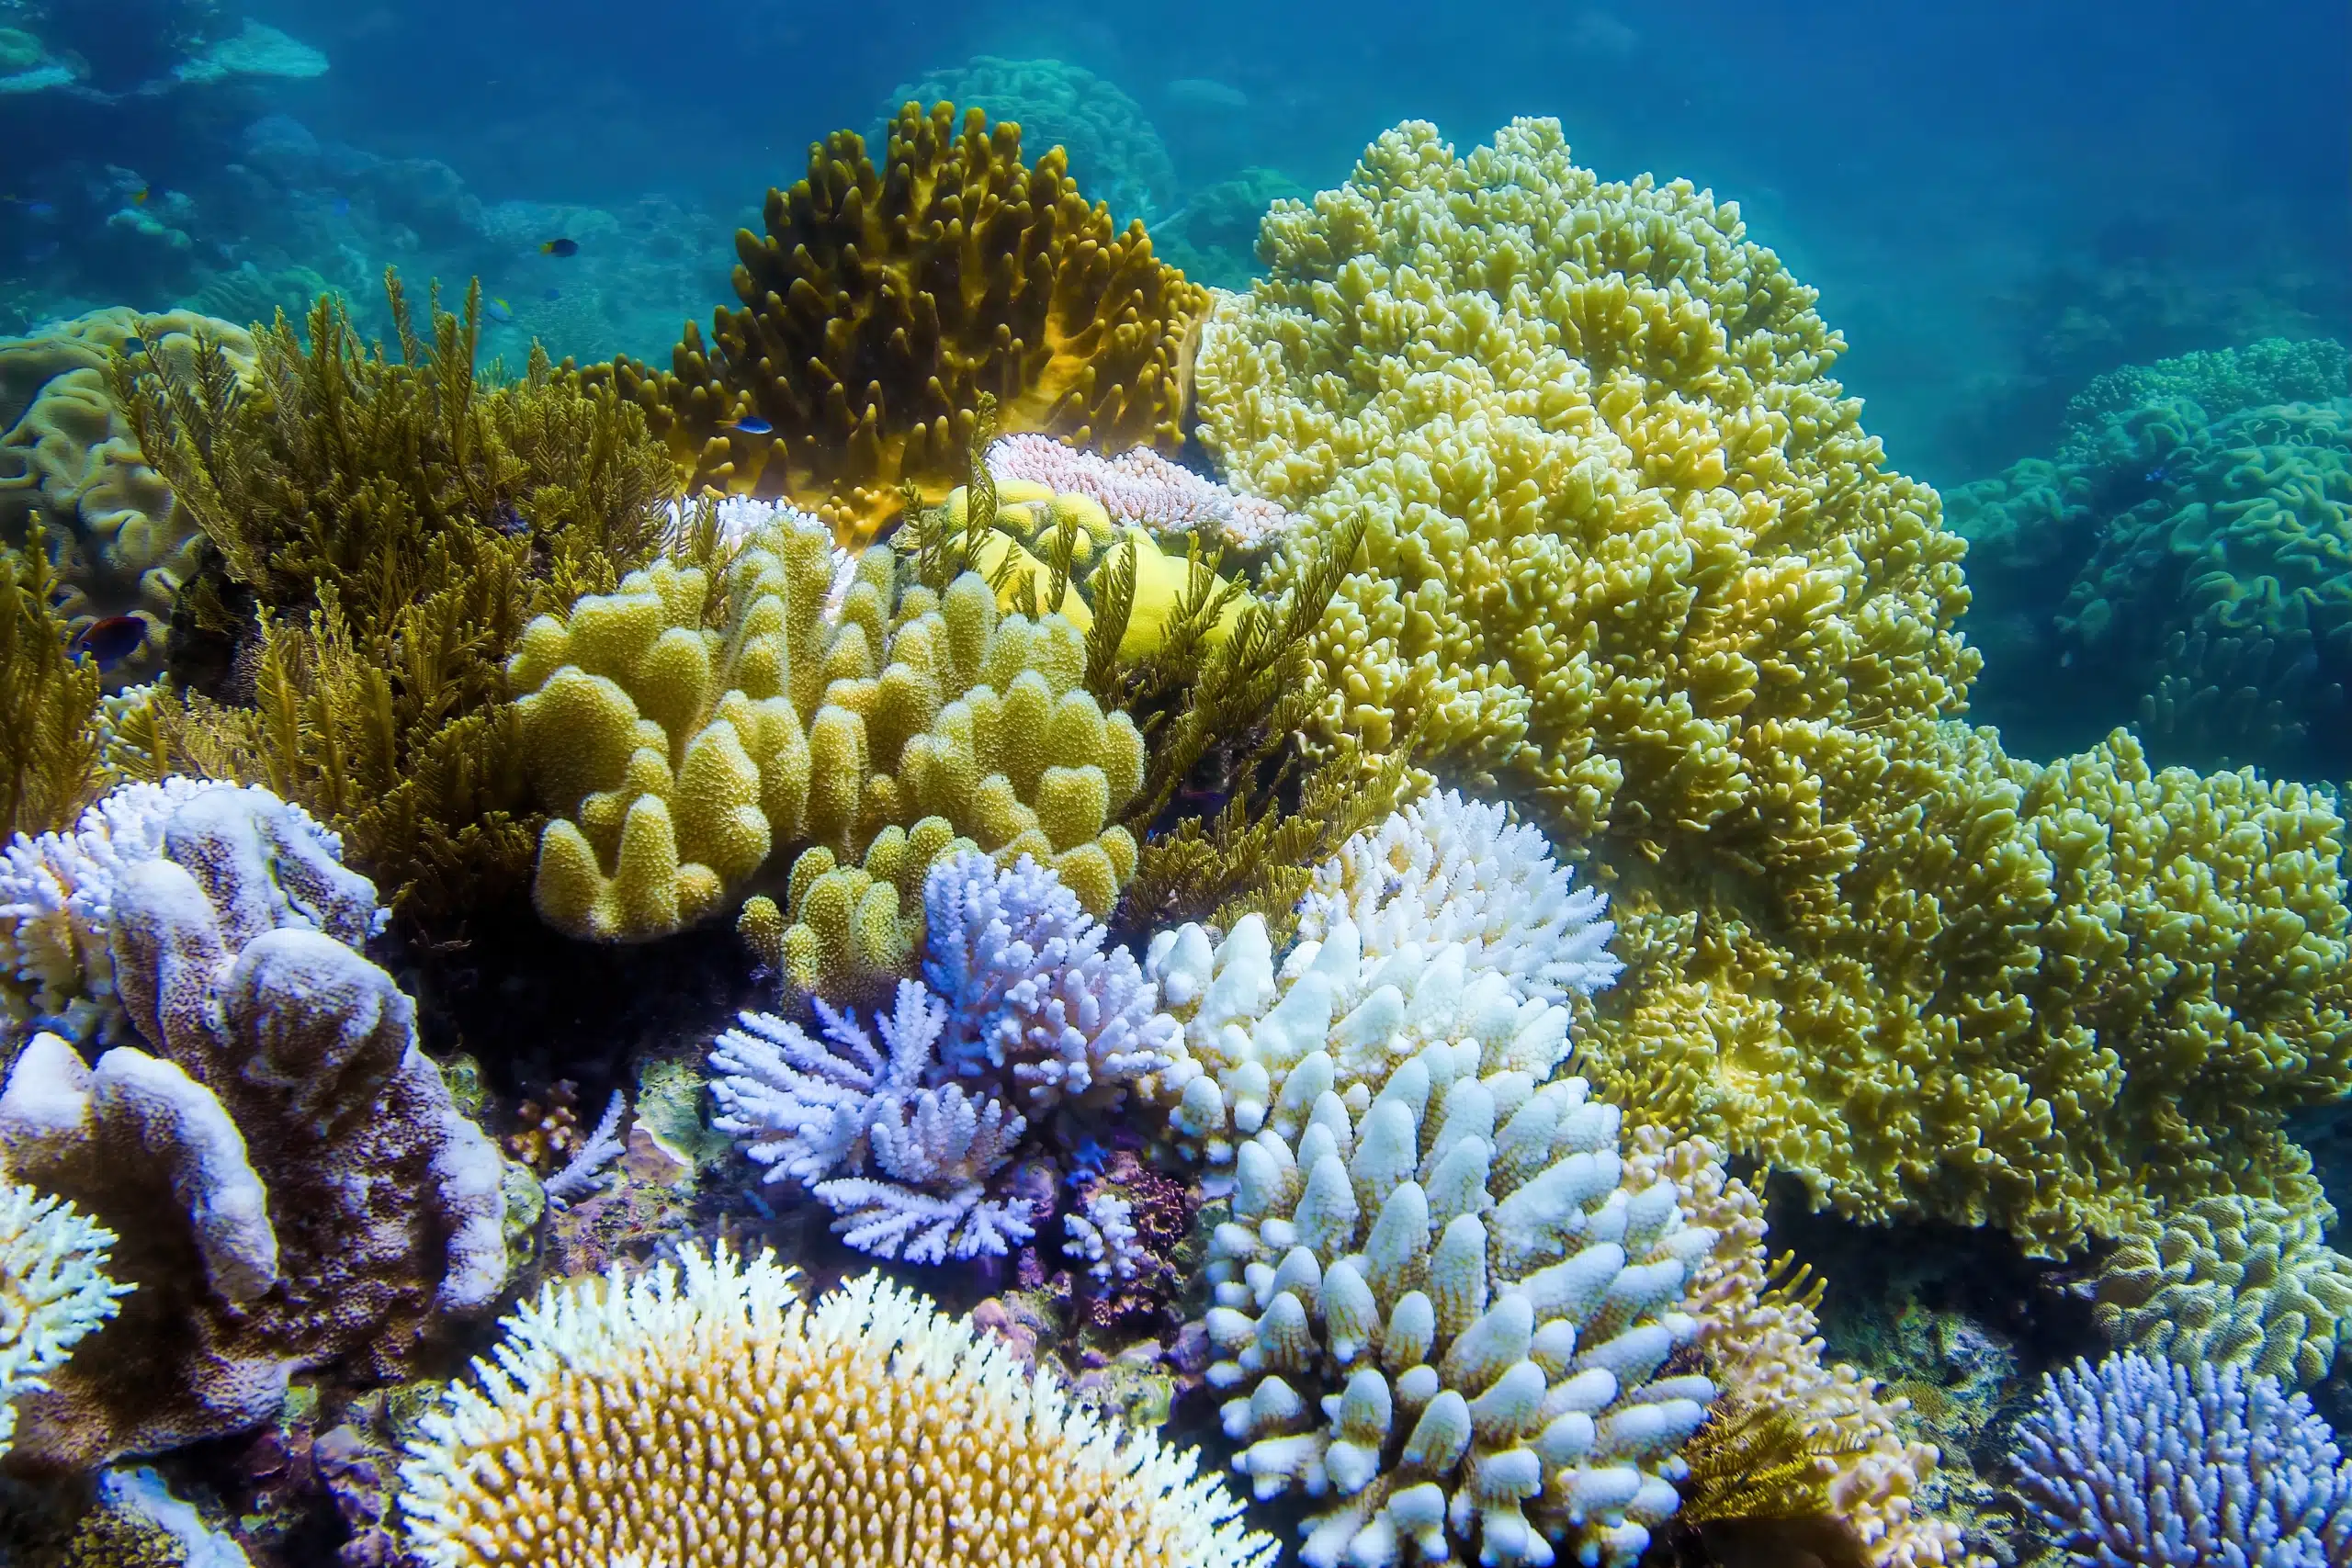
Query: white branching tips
(53,1291)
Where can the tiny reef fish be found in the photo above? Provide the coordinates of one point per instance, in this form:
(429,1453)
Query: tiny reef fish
(559,248)
(110,639)
(752,425)
(497,310)
(139,196)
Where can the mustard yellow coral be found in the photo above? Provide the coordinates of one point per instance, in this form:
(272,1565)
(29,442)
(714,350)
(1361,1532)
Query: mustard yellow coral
(721,1422)
(1631,560)
(2230,1279)
(663,731)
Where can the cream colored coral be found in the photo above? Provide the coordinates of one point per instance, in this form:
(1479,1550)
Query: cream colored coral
(53,1291)
(2231,1280)
(677,758)
(1764,1344)
(718,1422)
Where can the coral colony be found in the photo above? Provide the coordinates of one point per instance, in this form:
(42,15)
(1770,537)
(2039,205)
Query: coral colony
(1317,950)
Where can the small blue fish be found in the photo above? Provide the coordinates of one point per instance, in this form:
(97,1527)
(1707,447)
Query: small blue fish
(752,425)
(497,310)
(559,248)
(110,639)
(2156,475)
(552,294)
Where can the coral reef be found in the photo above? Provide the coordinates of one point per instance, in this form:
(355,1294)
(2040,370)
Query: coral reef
(661,727)
(381,530)
(2179,562)
(289,1178)
(53,1291)
(1631,560)
(1113,151)
(2146,1461)
(2227,1280)
(880,303)
(1214,237)
(70,460)
(881,1419)
(1141,487)
(49,697)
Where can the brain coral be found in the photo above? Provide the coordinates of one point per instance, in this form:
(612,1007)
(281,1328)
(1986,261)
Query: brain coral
(1112,150)
(723,1424)
(68,458)
(881,303)
(1632,562)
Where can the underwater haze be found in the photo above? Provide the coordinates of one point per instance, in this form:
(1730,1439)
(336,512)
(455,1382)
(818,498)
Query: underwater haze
(1224,787)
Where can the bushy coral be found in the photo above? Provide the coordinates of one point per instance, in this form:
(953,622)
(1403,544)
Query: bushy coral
(2149,1463)
(1629,556)
(289,1178)
(881,302)
(2231,1282)
(50,762)
(53,1291)
(1113,152)
(662,728)
(880,1427)
(71,461)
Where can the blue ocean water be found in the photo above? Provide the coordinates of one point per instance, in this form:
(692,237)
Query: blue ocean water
(2092,265)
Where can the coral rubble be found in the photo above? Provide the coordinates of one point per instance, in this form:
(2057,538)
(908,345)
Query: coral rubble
(881,302)
(871,1416)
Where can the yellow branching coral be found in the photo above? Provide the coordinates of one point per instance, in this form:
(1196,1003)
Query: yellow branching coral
(721,1423)
(1758,1338)
(880,302)
(70,461)
(1631,561)
(2231,1280)
(54,1290)
(664,727)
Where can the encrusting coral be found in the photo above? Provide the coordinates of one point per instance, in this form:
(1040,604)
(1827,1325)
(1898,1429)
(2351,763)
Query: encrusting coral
(53,1291)
(380,529)
(718,1422)
(71,462)
(289,1178)
(1631,560)
(2228,1281)
(880,303)
(663,728)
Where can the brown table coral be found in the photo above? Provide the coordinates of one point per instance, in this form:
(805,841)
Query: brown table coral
(880,303)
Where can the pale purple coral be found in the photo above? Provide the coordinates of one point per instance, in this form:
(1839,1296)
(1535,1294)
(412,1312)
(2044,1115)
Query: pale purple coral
(2148,1462)
(1036,1002)
(1142,487)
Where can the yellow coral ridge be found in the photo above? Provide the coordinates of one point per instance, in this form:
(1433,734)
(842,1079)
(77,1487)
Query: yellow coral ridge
(1632,561)
(721,1422)
(2230,1279)
(663,731)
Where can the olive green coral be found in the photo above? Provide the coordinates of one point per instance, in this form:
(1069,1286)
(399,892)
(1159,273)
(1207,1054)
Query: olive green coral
(881,302)
(663,731)
(48,748)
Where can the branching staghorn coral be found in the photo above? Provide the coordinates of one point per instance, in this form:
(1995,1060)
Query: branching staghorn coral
(1631,556)
(70,462)
(290,1181)
(1026,1016)
(382,529)
(2150,1463)
(663,731)
(49,699)
(880,303)
(2230,1282)
(873,1418)
(53,1291)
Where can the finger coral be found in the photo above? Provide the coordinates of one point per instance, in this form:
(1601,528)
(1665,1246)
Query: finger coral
(382,527)
(620,1417)
(1447,1310)
(881,302)
(683,730)
(2230,1280)
(1630,558)
(289,1178)
(71,461)
(2146,1461)
(53,1291)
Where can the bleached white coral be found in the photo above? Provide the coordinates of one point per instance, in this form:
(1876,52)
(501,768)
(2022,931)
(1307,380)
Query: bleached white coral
(1443,1308)
(1037,1004)
(1445,870)
(1103,1237)
(53,1291)
(820,1114)
(584,1173)
(267,863)
(1144,488)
